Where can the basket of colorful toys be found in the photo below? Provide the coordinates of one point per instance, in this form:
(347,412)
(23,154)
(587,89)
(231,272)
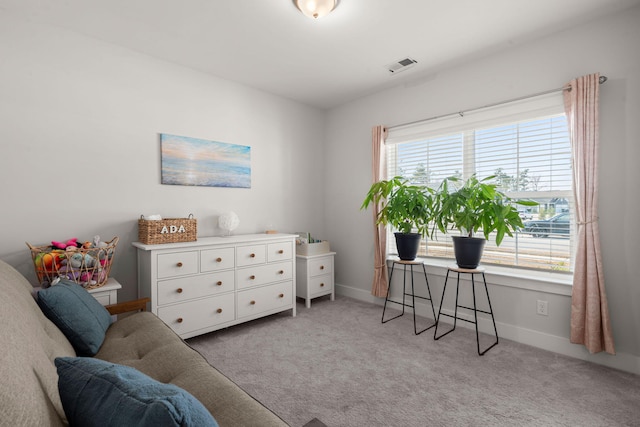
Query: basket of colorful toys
(85,263)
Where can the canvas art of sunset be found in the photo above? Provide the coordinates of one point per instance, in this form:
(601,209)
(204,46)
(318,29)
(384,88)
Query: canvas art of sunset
(192,161)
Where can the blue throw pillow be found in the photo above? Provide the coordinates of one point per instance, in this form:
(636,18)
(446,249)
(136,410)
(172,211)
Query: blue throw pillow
(80,317)
(99,393)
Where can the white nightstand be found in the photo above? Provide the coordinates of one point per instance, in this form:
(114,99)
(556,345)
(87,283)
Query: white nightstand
(107,293)
(314,276)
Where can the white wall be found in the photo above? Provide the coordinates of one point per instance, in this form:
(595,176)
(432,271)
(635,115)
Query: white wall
(609,46)
(80,148)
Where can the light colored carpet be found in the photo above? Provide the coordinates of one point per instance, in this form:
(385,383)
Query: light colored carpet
(336,362)
(315,423)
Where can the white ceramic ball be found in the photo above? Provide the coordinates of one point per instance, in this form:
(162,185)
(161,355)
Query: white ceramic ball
(228,221)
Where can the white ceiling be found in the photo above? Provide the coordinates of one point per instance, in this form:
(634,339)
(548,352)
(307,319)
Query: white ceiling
(270,45)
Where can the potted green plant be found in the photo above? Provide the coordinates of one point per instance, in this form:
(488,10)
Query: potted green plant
(407,208)
(476,205)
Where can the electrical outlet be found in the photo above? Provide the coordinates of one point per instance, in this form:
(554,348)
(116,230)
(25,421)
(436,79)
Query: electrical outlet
(542,308)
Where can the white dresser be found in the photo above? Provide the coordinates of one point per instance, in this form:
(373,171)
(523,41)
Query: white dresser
(314,276)
(215,282)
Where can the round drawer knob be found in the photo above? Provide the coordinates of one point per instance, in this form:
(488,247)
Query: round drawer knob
(252,277)
(280,251)
(219,310)
(179,264)
(179,320)
(252,303)
(219,283)
(218,259)
(281,296)
(179,290)
(322,267)
(321,285)
(281,272)
(252,256)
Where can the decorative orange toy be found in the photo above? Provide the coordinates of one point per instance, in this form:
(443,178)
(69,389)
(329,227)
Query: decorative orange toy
(52,260)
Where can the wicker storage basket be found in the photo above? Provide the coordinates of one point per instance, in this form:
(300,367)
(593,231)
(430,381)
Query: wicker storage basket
(88,267)
(308,249)
(168,230)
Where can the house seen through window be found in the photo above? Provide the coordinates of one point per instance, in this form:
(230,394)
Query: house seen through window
(528,151)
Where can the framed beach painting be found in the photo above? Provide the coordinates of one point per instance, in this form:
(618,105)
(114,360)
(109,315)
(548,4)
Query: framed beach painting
(192,161)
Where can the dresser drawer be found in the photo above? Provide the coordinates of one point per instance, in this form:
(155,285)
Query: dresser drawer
(320,285)
(186,288)
(258,300)
(251,255)
(263,274)
(217,259)
(279,251)
(177,264)
(321,266)
(203,313)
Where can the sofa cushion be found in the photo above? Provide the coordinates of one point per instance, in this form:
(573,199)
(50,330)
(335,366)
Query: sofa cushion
(95,392)
(81,318)
(144,342)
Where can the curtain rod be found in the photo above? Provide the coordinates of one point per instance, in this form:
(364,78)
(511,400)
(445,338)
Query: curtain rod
(601,80)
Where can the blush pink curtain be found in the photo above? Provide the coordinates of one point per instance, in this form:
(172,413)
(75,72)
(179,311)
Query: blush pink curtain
(379,169)
(590,324)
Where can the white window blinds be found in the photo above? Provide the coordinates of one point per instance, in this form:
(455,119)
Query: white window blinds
(525,144)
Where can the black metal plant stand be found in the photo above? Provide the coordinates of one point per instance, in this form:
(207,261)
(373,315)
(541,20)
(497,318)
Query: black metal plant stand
(475,310)
(405,294)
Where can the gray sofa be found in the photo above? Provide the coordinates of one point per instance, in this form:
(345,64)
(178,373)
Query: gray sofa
(30,342)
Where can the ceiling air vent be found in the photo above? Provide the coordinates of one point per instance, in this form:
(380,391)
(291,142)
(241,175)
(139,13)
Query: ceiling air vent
(401,65)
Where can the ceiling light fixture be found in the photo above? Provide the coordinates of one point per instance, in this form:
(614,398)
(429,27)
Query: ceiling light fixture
(315,8)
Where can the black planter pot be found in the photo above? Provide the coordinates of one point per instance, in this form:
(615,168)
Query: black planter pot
(468,250)
(408,245)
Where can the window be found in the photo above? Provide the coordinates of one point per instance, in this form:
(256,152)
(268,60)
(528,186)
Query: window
(526,146)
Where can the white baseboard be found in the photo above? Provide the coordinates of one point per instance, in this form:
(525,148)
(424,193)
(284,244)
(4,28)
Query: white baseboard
(557,344)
